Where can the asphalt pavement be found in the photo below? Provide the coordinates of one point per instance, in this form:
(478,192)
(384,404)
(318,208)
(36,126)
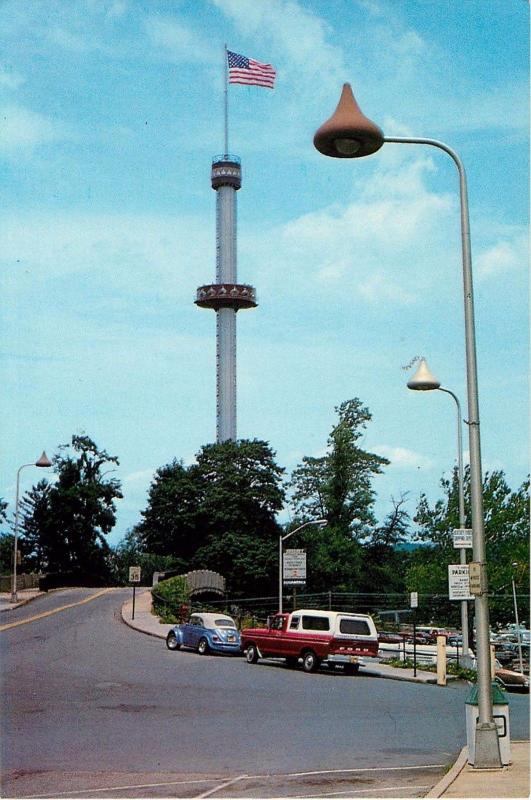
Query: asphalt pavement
(462,780)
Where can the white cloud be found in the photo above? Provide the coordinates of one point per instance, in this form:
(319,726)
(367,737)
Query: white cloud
(402,458)
(10,79)
(506,255)
(373,247)
(179,41)
(23,129)
(127,253)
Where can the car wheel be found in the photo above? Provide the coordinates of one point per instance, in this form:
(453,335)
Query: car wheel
(352,669)
(172,643)
(310,662)
(202,647)
(252,654)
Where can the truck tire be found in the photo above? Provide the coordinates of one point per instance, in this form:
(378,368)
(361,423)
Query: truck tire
(252,654)
(310,662)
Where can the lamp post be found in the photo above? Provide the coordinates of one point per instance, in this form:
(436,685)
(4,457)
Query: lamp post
(43,461)
(519,637)
(350,134)
(281,540)
(423,381)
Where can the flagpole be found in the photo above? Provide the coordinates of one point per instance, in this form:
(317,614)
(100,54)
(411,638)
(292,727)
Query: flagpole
(226,73)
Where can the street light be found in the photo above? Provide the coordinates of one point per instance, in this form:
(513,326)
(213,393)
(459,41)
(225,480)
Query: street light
(349,134)
(519,637)
(281,539)
(423,381)
(43,461)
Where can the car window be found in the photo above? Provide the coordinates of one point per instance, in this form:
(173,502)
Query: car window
(315,623)
(359,626)
(294,624)
(224,623)
(193,621)
(276,624)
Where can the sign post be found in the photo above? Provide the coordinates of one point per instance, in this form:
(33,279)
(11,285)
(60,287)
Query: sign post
(414,602)
(134,578)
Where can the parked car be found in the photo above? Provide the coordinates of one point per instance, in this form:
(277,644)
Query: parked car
(216,633)
(508,678)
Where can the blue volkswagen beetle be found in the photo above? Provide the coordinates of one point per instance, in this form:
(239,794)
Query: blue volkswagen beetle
(206,633)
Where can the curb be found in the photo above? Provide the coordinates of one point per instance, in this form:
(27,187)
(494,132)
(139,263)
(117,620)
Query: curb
(131,624)
(440,788)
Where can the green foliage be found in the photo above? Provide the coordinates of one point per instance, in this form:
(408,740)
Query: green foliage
(462,673)
(128,553)
(219,514)
(337,487)
(7,542)
(506,515)
(64,524)
(169,597)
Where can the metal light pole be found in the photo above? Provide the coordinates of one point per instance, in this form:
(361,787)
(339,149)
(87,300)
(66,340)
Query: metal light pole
(423,380)
(281,539)
(43,461)
(519,637)
(350,134)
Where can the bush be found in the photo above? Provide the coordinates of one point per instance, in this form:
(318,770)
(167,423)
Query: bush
(171,599)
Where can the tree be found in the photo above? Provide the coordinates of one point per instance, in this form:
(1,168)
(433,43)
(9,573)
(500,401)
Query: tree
(337,487)
(6,543)
(506,518)
(65,523)
(172,523)
(383,560)
(219,514)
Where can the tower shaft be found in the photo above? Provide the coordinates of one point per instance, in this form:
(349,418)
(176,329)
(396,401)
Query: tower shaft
(226,296)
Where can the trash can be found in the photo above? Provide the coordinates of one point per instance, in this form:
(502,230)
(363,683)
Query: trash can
(500,713)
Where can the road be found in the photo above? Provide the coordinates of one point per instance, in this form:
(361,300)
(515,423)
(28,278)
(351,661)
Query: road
(95,709)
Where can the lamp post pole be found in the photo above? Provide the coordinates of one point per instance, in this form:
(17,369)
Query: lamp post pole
(462,522)
(281,539)
(518,635)
(43,461)
(424,380)
(350,134)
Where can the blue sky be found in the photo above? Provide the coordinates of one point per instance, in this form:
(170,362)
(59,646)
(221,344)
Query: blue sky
(111,111)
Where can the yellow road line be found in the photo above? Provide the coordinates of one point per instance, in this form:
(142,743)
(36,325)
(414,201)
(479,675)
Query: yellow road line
(54,611)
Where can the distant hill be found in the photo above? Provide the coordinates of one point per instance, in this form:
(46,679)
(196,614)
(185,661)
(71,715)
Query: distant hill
(410,546)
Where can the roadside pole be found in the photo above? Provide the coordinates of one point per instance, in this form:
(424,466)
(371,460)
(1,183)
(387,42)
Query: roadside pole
(134,578)
(413,602)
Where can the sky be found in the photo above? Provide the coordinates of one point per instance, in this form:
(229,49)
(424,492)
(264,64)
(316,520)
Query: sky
(110,114)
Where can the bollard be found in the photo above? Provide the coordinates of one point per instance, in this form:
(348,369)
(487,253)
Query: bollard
(441,660)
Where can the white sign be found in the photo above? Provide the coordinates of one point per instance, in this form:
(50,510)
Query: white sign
(294,567)
(134,574)
(462,537)
(458,582)
(414,599)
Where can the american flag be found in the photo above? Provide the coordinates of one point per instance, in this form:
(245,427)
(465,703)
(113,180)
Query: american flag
(248,71)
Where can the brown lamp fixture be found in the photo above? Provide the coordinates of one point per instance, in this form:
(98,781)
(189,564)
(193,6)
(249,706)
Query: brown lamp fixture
(348,133)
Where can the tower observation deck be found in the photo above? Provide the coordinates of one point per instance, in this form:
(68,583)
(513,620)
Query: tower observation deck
(226,296)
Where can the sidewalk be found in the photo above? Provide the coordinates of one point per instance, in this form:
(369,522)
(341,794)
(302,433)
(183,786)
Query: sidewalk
(24,596)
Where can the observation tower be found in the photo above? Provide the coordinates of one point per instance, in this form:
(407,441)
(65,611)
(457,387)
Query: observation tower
(226,296)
